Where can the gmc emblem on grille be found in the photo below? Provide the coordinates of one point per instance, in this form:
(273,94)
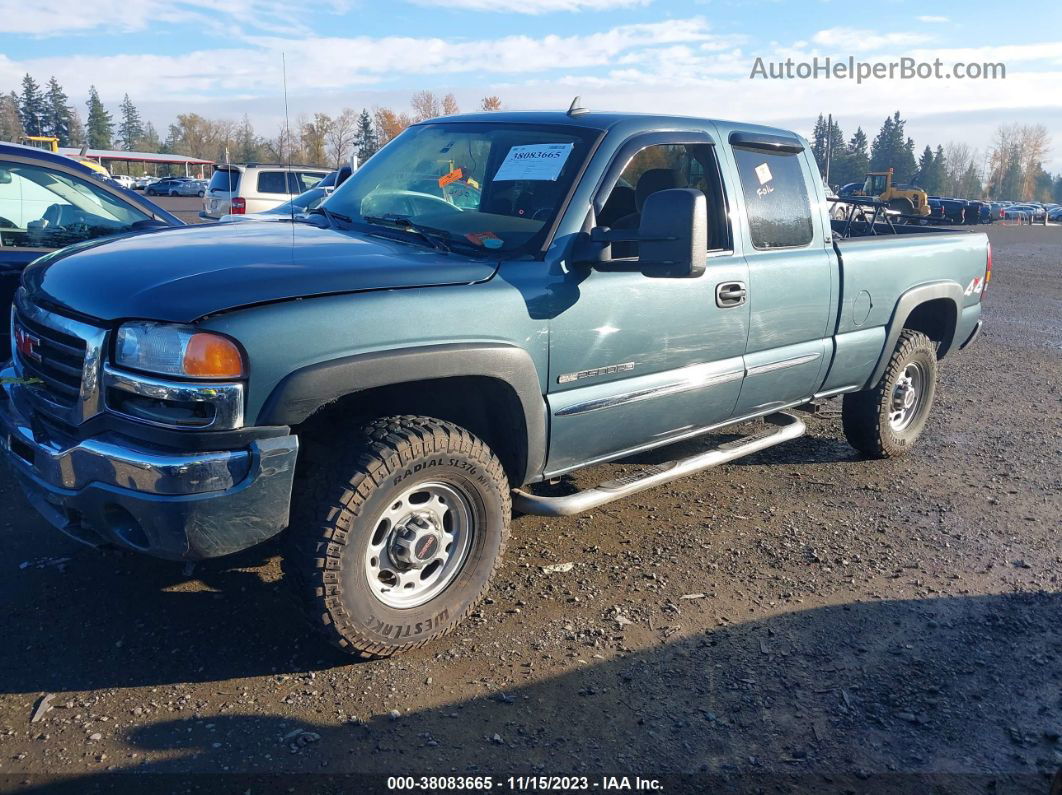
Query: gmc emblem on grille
(26,344)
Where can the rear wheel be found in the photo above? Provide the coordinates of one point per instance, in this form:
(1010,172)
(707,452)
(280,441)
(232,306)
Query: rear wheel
(903,206)
(396,537)
(886,421)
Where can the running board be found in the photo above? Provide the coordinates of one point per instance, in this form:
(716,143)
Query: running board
(788,427)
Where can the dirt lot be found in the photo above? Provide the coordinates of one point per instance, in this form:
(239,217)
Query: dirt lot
(186,208)
(801,621)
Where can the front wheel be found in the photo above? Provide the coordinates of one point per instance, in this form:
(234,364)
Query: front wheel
(886,421)
(396,537)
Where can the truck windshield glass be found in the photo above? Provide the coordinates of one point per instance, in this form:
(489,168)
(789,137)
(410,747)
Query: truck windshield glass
(495,187)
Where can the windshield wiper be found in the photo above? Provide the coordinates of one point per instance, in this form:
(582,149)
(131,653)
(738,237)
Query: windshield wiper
(436,238)
(329,214)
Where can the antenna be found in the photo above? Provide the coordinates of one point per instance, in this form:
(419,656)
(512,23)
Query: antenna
(575,109)
(287,134)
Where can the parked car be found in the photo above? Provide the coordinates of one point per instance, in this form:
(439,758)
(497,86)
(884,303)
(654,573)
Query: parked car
(302,203)
(954,209)
(169,186)
(140,183)
(936,211)
(485,305)
(48,201)
(193,187)
(1055,216)
(1025,213)
(256,187)
(124,180)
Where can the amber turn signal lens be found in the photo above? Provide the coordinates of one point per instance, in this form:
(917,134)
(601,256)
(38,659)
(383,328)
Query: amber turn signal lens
(212,356)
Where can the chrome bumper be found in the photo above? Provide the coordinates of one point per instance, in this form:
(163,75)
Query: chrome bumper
(167,504)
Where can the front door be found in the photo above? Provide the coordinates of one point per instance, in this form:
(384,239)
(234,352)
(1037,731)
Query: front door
(638,360)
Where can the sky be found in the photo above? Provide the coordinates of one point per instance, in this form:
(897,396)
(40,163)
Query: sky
(692,57)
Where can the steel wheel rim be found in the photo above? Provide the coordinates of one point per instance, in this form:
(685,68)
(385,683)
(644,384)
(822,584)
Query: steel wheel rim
(433,511)
(907,396)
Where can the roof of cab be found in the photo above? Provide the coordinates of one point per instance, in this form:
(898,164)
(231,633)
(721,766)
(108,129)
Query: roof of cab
(603,120)
(18,150)
(8,149)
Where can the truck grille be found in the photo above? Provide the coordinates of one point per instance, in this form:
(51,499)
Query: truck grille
(60,357)
(56,358)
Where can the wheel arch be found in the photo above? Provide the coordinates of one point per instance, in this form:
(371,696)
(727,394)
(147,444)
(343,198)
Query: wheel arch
(491,389)
(932,309)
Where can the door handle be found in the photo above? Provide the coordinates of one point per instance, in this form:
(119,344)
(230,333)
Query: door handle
(728,294)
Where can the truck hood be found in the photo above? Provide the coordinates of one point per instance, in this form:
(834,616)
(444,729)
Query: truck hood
(180,275)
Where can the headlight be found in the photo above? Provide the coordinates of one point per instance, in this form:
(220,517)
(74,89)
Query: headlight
(177,350)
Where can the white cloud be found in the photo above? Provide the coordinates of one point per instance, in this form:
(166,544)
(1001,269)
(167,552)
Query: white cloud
(672,66)
(931,20)
(316,64)
(533,6)
(59,17)
(851,40)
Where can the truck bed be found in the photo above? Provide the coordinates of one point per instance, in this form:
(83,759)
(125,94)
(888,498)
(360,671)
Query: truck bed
(875,269)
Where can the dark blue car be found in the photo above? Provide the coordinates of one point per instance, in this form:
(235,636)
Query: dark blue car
(48,201)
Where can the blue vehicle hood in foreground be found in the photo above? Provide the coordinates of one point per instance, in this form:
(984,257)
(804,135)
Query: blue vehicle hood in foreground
(183,274)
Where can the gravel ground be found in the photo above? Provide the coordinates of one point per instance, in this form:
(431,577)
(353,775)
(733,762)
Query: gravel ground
(802,620)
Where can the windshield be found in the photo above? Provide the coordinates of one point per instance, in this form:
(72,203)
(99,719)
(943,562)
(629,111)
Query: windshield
(485,185)
(41,208)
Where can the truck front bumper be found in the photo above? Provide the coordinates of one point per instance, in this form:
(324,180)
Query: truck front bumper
(182,506)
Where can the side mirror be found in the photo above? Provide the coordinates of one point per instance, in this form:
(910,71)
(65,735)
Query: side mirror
(673,233)
(344,173)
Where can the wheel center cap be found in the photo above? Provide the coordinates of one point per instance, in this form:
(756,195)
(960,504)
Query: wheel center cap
(417,543)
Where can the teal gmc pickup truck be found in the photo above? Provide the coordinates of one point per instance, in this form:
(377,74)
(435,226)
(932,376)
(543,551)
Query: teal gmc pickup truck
(490,302)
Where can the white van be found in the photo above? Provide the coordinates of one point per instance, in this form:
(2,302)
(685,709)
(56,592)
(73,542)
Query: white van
(256,187)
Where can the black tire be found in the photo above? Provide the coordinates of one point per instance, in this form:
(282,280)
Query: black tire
(337,518)
(903,206)
(868,416)
(173,194)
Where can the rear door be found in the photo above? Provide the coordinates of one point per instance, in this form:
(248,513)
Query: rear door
(791,272)
(271,187)
(223,186)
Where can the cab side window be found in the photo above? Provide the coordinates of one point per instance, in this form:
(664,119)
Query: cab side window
(662,167)
(45,208)
(776,198)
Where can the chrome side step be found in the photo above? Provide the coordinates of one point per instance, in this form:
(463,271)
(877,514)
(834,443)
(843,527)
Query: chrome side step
(787,427)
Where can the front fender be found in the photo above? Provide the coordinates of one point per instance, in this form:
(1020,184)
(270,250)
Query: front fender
(301,393)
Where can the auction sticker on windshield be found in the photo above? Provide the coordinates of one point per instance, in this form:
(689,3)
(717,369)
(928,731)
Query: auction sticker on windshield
(541,162)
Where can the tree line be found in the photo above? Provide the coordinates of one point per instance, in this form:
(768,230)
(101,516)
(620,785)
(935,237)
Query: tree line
(1010,168)
(319,139)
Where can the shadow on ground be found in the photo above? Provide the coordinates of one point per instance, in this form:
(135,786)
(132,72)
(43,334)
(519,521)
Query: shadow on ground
(949,695)
(117,619)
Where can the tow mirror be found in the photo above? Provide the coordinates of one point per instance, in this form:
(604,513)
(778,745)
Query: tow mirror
(672,238)
(674,233)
